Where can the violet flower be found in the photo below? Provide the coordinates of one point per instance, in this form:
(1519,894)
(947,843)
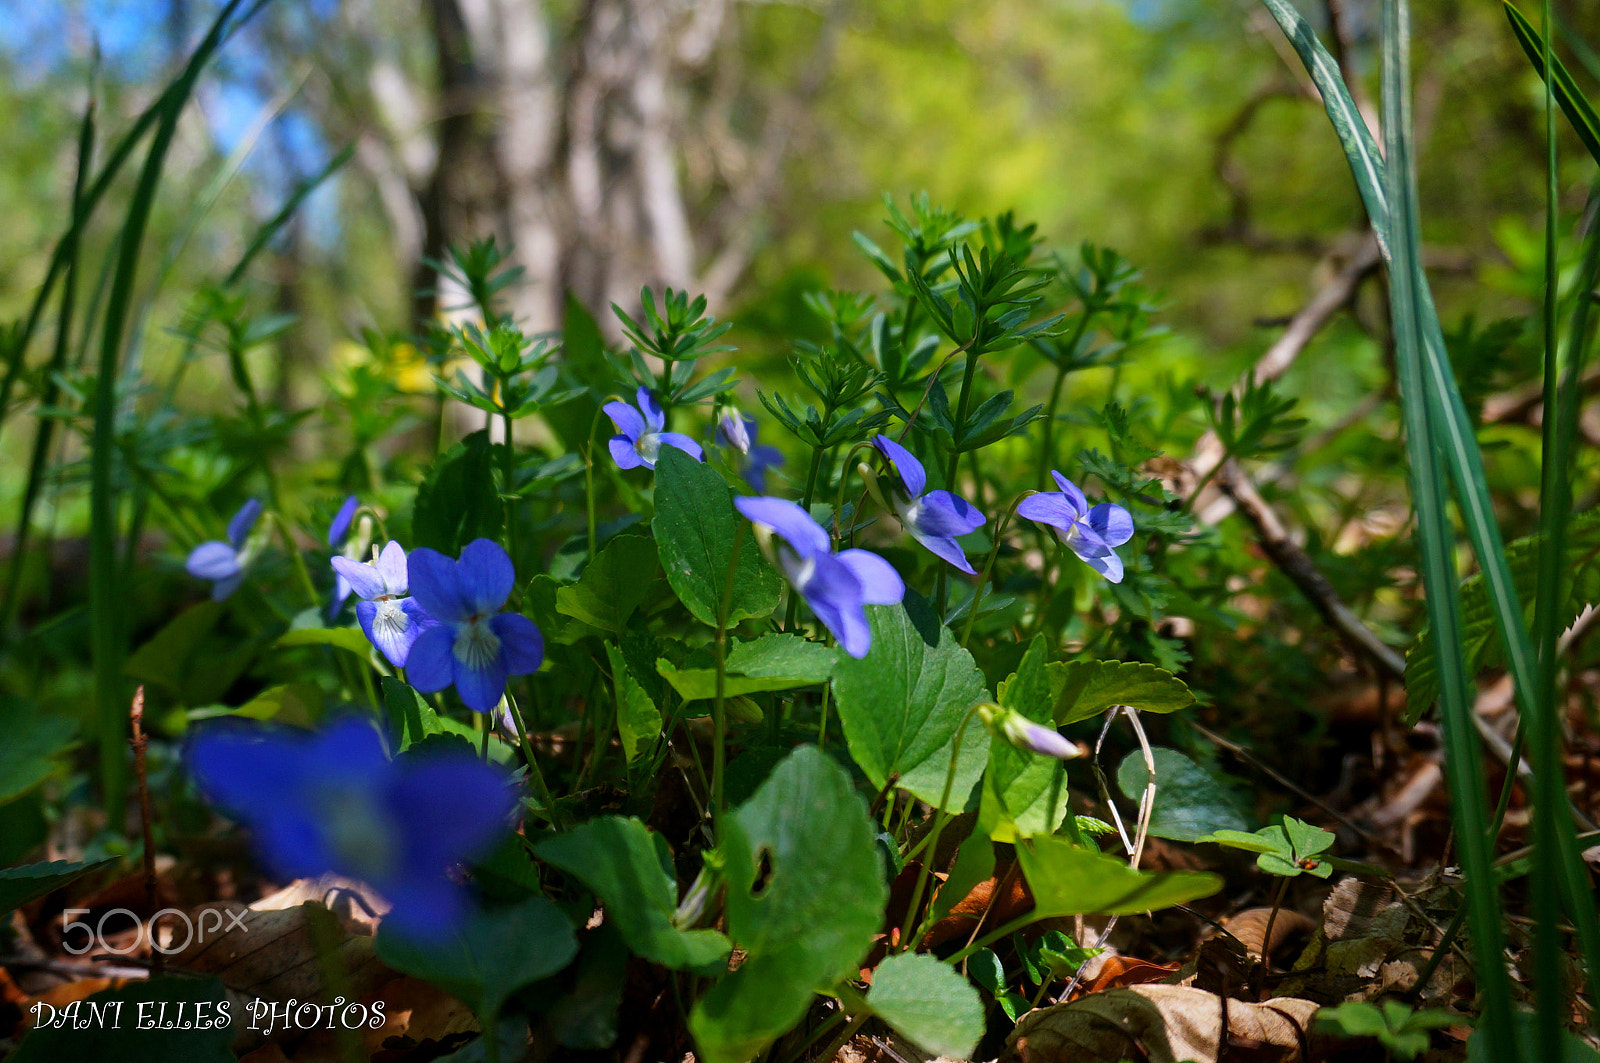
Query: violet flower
(640,435)
(1024,733)
(338,535)
(224,563)
(837,587)
(334,802)
(935,518)
(475,647)
(1092,534)
(739,432)
(392,622)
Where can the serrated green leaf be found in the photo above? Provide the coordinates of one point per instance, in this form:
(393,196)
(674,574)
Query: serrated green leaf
(696,528)
(638,719)
(1068,880)
(814,917)
(929,1003)
(902,703)
(629,869)
(493,955)
(458,500)
(19,885)
(34,739)
(1190,802)
(613,585)
(1019,785)
(133,1031)
(1082,689)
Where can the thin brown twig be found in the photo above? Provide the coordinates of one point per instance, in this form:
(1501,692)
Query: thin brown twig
(151,885)
(1294,563)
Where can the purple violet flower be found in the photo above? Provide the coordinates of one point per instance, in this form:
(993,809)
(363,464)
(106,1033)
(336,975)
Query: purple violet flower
(392,621)
(1092,534)
(739,432)
(338,534)
(640,435)
(935,518)
(334,802)
(1024,733)
(224,563)
(474,646)
(837,587)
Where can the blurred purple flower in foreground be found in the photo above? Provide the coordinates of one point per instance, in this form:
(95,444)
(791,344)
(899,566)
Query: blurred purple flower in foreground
(934,518)
(837,587)
(474,646)
(640,435)
(392,621)
(334,802)
(223,563)
(1092,534)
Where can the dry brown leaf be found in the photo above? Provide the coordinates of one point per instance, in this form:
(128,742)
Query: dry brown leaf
(1250,927)
(1162,1024)
(273,954)
(1120,971)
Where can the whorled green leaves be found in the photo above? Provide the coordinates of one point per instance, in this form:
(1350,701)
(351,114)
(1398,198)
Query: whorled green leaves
(902,704)
(805,895)
(696,530)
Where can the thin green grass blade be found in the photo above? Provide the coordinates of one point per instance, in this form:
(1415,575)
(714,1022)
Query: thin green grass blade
(121,150)
(1555,500)
(44,431)
(1573,102)
(1407,283)
(1366,164)
(107,637)
(271,227)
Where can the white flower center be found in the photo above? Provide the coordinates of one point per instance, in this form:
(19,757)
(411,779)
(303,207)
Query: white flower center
(360,833)
(648,446)
(390,618)
(477,646)
(909,513)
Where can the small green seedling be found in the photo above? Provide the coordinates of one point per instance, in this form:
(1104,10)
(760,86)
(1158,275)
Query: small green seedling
(1402,1031)
(1295,848)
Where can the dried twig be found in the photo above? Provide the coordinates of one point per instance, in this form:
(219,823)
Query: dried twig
(151,885)
(1304,574)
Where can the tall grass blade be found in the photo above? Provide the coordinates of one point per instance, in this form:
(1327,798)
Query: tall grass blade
(1406,283)
(271,227)
(44,431)
(1571,98)
(106,606)
(121,150)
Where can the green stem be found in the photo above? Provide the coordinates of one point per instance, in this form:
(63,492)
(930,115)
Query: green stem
(1047,444)
(792,609)
(942,819)
(588,478)
(719,711)
(988,567)
(990,938)
(540,790)
(508,476)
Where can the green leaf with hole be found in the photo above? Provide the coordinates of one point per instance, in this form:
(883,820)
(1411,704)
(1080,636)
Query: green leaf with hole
(805,898)
(629,867)
(1081,689)
(1068,880)
(902,703)
(696,530)
(1190,801)
(929,1003)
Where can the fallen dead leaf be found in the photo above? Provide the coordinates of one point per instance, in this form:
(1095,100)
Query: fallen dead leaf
(1163,1024)
(275,955)
(1120,971)
(1250,927)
